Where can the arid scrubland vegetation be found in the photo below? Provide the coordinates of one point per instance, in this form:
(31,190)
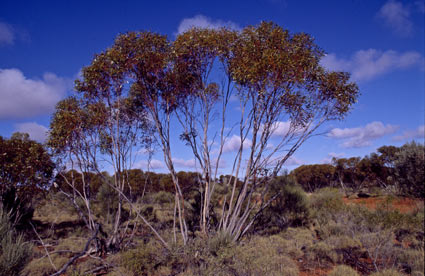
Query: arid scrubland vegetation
(76,206)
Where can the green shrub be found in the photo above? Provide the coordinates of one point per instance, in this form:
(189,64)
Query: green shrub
(409,167)
(321,252)
(74,244)
(162,197)
(296,204)
(325,203)
(387,272)
(343,242)
(14,251)
(139,261)
(42,266)
(343,270)
(107,199)
(144,259)
(297,239)
(18,208)
(218,241)
(261,256)
(413,259)
(290,208)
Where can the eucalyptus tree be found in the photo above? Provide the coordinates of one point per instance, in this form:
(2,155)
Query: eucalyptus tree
(284,95)
(409,167)
(26,170)
(25,165)
(313,177)
(98,129)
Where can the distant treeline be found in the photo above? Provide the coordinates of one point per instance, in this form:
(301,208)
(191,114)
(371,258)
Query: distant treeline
(400,168)
(391,167)
(139,182)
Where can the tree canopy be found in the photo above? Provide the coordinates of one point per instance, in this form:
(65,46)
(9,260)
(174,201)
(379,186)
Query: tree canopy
(25,165)
(145,86)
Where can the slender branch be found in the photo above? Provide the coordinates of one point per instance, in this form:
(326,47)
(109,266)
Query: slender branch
(82,253)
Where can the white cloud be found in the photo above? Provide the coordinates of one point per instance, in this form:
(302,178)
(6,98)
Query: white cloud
(282,129)
(371,63)
(22,97)
(418,133)
(201,21)
(7,34)
(154,164)
(221,165)
(37,132)
(294,161)
(291,161)
(362,136)
(328,158)
(184,163)
(396,16)
(234,143)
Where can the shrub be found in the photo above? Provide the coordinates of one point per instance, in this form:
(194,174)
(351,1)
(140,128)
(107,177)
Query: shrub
(144,259)
(409,166)
(321,252)
(55,209)
(295,204)
(42,266)
(290,208)
(219,241)
(343,242)
(379,246)
(297,240)
(412,260)
(261,256)
(343,270)
(387,272)
(19,208)
(14,251)
(163,197)
(326,202)
(107,199)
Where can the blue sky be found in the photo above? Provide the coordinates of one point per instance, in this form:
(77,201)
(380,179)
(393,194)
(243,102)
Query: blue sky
(44,44)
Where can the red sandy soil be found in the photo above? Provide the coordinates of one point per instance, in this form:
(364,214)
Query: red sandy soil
(402,204)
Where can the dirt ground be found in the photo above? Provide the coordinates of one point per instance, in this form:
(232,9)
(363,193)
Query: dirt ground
(402,204)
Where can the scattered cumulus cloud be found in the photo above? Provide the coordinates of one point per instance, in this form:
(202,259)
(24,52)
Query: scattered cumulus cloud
(294,161)
(362,136)
(222,164)
(37,132)
(7,34)
(185,163)
(282,129)
(328,158)
(21,97)
(201,21)
(397,16)
(418,133)
(291,161)
(371,63)
(234,143)
(154,164)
